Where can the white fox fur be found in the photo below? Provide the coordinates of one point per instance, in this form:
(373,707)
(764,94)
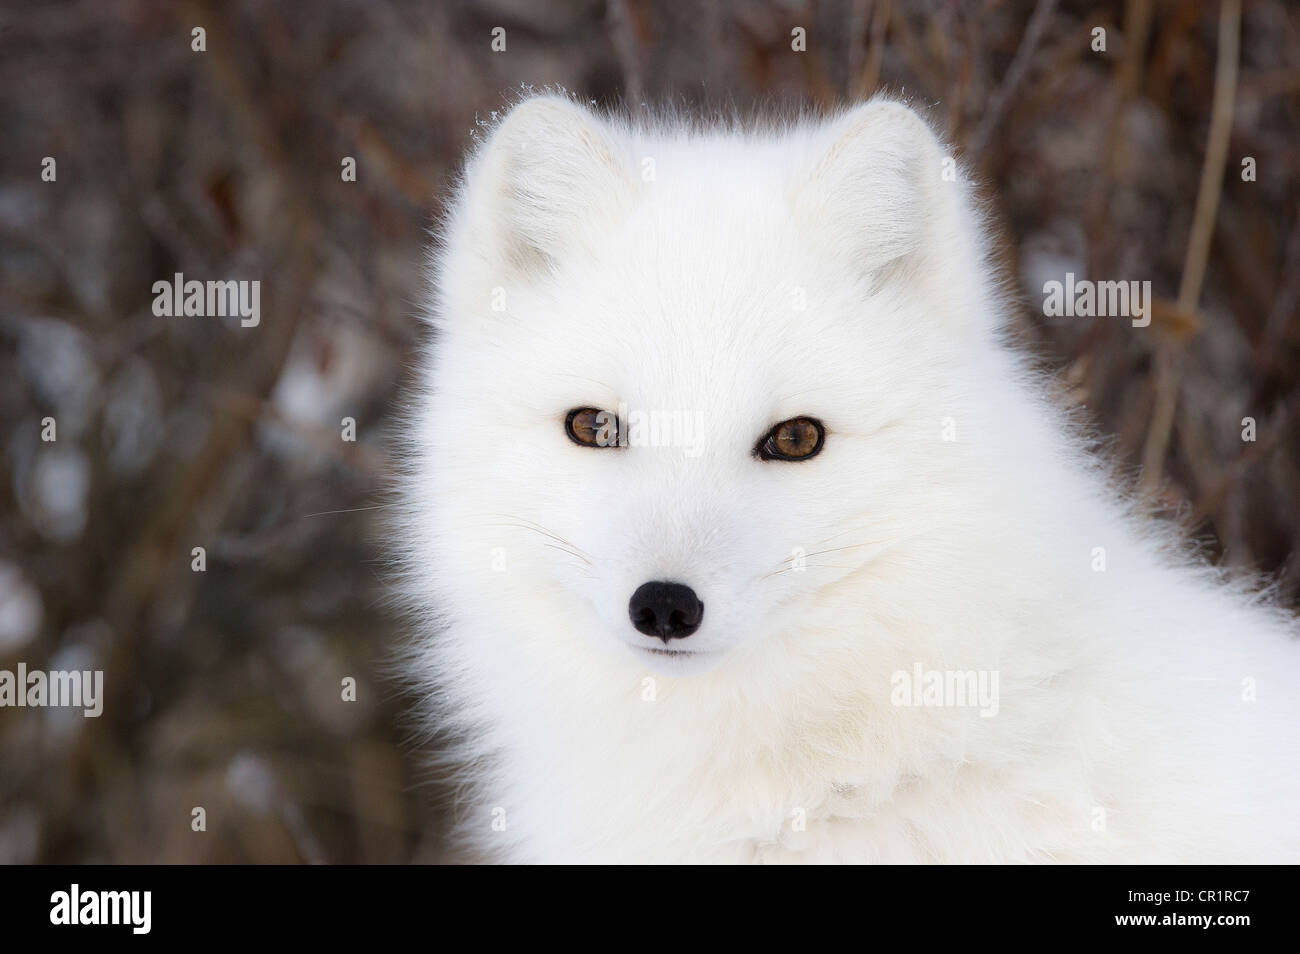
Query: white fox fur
(1147,711)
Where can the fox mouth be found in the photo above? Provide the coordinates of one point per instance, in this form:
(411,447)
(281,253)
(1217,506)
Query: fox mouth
(677,662)
(674,654)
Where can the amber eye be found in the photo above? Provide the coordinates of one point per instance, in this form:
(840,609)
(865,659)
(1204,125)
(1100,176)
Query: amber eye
(796,439)
(592,427)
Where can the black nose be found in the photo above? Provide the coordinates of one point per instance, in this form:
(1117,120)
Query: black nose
(666,610)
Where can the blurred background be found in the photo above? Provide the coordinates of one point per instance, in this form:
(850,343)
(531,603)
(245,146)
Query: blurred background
(223,686)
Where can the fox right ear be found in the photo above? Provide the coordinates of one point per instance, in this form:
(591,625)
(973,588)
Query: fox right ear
(546,170)
(873,183)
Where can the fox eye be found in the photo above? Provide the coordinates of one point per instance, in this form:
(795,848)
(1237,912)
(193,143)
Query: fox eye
(796,439)
(592,427)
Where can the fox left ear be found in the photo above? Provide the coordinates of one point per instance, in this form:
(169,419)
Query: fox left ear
(876,182)
(547,169)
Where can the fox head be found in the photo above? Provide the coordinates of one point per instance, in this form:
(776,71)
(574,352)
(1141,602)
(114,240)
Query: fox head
(684,381)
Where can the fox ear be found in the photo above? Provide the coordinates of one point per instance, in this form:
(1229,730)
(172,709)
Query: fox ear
(547,168)
(876,183)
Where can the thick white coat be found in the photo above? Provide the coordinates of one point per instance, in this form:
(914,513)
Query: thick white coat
(954,520)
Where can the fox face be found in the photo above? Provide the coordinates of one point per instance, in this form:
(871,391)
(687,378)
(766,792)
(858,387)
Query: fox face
(683,384)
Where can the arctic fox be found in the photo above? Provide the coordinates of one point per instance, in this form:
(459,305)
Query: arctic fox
(740,533)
